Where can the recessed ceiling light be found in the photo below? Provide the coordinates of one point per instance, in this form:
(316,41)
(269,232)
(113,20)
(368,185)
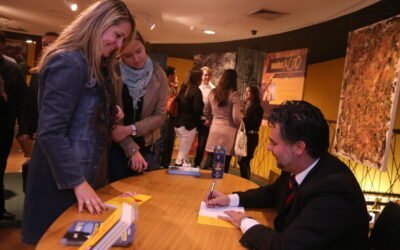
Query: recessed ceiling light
(74,6)
(29,41)
(209,32)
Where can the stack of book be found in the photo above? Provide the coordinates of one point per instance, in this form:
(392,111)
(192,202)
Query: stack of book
(81,230)
(116,230)
(184,171)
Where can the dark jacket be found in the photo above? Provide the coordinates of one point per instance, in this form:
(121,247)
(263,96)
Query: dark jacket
(253,117)
(15,88)
(30,114)
(69,148)
(328,211)
(190,107)
(252,120)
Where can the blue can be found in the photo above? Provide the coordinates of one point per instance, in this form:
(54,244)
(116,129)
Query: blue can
(218,164)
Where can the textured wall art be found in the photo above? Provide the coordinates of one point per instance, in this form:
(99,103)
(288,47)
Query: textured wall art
(217,62)
(369,94)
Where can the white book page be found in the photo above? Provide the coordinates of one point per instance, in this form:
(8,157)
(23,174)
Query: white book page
(216,211)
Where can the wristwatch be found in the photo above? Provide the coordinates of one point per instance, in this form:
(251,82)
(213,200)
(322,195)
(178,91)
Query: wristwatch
(133,130)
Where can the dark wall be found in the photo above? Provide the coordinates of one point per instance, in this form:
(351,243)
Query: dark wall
(325,41)
(24,37)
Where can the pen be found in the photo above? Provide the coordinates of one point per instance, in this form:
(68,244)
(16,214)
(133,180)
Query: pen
(210,195)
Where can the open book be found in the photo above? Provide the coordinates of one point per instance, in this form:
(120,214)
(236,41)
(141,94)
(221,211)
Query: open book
(209,216)
(112,228)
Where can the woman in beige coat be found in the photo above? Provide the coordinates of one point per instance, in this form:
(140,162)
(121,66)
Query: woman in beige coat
(223,110)
(143,97)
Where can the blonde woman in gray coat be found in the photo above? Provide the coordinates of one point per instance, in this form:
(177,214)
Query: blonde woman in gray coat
(223,110)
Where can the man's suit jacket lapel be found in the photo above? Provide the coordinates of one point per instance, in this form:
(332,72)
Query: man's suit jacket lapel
(286,214)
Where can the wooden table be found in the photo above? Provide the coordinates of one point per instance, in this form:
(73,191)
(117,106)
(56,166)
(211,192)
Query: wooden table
(169,219)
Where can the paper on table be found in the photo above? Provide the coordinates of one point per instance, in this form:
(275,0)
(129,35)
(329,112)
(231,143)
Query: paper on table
(209,216)
(129,198)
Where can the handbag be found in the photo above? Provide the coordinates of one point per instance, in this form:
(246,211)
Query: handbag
(241,141)
(172,106)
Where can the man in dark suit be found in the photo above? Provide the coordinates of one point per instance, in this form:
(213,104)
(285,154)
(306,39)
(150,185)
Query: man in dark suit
(319,203)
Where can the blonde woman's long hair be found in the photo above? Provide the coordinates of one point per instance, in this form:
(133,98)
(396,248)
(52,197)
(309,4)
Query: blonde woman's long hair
(85,32)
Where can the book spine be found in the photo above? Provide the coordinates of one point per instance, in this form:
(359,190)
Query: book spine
(188,173)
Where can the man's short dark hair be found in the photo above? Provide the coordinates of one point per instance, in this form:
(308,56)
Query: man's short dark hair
(169,70)
(302,121)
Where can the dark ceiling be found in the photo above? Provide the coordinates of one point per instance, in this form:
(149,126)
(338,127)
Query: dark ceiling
(325,41)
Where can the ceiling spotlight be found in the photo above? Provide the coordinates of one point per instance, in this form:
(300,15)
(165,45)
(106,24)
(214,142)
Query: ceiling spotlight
(152,26)
(29,41)
(74,6)
(209,32)
(71,4)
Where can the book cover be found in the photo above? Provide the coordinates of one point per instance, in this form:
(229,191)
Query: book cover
(81,230)
(127,197)
(184,171)
(209,216)
(112,228)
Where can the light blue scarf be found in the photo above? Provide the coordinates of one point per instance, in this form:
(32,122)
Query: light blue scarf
(136,79)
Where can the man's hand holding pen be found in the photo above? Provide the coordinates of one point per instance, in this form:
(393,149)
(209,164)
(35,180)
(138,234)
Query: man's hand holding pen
(216,199)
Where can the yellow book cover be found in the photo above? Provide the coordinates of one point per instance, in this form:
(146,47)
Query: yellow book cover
(102,230)
(129,198)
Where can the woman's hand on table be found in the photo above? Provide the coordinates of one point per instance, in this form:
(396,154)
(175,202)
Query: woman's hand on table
(88,198)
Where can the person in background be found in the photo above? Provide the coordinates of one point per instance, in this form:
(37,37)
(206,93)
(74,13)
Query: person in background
(167,131)
(13,90)
(190,108)
(223,112)
(252,118)
(143,97)
(318,200)
(203,127)
(77,110)
(30,106)
(2,48)
(30,116)
(172,81)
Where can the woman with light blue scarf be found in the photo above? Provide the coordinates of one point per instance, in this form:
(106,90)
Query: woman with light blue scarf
(143,98)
